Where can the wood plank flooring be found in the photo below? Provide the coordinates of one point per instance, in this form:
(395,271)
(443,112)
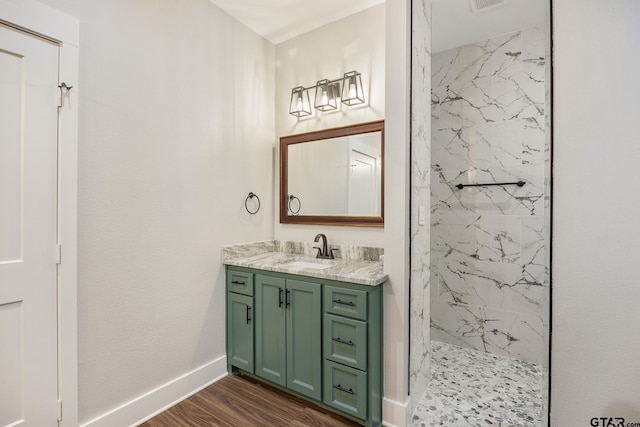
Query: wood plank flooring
(240,401)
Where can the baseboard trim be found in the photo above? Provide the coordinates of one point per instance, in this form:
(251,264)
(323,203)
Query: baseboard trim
(150,404)
(394,414)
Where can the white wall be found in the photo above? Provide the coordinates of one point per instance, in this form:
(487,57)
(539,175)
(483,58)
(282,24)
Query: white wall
(356,42)
(176,127)
(595,363)
(360,42)
(396,408)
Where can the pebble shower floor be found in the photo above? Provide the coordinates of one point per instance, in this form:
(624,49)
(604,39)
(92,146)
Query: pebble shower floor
(473,388)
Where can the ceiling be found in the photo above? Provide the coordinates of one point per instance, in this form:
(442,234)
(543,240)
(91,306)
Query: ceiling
(454,24)
(280,20)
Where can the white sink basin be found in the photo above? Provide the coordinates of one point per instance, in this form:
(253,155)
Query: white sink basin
(306,264)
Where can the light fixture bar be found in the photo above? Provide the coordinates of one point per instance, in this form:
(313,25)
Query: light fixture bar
(327,92)
(340,80)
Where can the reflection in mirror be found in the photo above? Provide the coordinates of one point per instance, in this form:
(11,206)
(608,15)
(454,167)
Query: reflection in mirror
(337,176)
(333,176)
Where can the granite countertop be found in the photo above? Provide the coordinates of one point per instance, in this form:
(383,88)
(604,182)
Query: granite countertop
(274,256)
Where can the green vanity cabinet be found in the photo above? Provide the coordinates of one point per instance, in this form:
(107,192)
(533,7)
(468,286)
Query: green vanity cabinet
(271,335)
(240,331)
(352,350)
(304,338)
(288,333)
(317,338)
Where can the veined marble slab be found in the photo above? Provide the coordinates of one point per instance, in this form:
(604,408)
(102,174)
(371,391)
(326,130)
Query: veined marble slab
(421,134)
(288,257)
(489,263)
(345,252)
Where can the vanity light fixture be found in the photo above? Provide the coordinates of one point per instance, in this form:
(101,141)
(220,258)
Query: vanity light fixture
(352,93)
(300,105)
(327,94)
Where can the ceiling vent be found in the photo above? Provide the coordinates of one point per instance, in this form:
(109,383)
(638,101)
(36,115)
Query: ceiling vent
(478,6)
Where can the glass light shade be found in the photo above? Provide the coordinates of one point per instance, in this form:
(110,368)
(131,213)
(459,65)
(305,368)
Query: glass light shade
(352,93)
(326,95)
(300,105)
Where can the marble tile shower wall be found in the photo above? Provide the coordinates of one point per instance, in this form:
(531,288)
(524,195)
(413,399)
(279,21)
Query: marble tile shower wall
(489,275)
(420,341)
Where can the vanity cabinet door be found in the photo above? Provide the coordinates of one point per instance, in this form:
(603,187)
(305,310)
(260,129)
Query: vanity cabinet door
(345,302)
(240,325)
(304,338)
(345,341)
(270,329)
(240,282)
(345,388)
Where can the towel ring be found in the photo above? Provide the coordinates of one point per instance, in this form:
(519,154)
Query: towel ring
(291,198)
(251,196)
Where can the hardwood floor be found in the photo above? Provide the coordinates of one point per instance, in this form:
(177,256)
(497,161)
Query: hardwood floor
(240,401)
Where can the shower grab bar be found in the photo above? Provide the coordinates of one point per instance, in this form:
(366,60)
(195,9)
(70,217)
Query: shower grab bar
(518,183)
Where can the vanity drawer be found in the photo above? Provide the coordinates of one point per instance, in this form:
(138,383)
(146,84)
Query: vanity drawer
(345,302)
(240,282)
(345,389)
(345,341)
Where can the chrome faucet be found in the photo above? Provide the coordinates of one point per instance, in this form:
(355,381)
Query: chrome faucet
(324,252)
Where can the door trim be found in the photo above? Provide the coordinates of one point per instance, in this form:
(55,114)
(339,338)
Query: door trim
(36,18)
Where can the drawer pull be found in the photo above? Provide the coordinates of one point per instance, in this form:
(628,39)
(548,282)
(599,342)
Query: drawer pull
(349,303)
(235,282)
(341,341)
(287,298)
(248,315)
(279,297)
(350,391)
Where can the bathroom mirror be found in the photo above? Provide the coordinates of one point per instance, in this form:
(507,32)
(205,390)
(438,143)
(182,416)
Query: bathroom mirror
(333,176)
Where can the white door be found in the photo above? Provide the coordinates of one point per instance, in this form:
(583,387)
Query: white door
(28,186)
(362,184)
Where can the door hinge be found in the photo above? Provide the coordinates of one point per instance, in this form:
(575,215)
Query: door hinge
(59,410)
(63,88)
(58,254)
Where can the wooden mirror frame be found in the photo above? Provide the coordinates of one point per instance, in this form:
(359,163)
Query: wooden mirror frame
(358,221)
